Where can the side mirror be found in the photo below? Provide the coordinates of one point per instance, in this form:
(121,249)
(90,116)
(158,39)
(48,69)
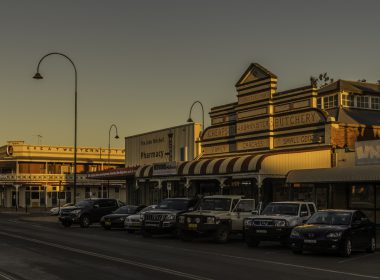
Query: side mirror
(255,212)
(304,214)
(191,209)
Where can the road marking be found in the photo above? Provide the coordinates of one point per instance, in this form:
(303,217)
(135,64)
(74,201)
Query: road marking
(110,258)
(356,258)
(4,276)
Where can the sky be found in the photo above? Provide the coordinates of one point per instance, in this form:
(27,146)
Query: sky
(141,64)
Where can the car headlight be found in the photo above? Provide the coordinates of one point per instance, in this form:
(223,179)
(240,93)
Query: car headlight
(248,222)
(170,217)
(181,219)
(210,220)
(334,235)
(122,219)
(188,220)
(76,212)
(279,223)
(295,234)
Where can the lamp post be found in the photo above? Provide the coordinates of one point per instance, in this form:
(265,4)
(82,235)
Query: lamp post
(38,76)
(203,114)
(109,152)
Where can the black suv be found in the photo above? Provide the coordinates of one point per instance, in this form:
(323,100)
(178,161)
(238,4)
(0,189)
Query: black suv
(88,211)
(163,218)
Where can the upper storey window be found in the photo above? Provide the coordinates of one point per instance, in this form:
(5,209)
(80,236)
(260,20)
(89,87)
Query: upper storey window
(375,103)
(330,101)
(363,102)
(348,100)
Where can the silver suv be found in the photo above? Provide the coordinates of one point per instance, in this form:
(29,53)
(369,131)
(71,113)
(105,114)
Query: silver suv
(277,221)
(217,216)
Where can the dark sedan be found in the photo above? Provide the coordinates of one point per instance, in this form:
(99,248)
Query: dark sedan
(117,218)
(340,231)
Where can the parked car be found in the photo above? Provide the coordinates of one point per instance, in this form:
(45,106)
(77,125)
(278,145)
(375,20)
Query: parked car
(163,219)
(276,222)
(339,231)
(55,210)
(88,211)
(116,218)
(133,222)
(217,216)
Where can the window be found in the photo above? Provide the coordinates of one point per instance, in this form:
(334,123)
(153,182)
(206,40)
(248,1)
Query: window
(363,102)
(330,101)
(375,103)
(348,100)
(245,206)
(319,102)
(311,208)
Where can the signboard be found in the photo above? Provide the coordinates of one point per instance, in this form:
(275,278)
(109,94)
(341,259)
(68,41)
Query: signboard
(252,144)
(298,119)
(165,168)
(303,139)
(367,152)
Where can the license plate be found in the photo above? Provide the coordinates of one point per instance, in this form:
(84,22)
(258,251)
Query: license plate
(310,241)
(152,225)
(192,226)
(108,223)
(261,231)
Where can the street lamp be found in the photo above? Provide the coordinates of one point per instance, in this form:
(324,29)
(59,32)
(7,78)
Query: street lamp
(38,76)
(109,152)
(203,114)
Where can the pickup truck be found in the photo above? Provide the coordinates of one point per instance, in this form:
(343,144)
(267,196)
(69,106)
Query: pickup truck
(276,221)
(217,216)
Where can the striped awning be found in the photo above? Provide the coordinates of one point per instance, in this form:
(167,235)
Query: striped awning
(217,166)
(144,171)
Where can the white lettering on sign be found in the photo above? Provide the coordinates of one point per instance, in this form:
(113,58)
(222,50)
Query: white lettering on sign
(217,132)
(252,126)
(252,144)
(219,149)
(158,154)
(152,141)
(305,118)
(367,152)
(297,140)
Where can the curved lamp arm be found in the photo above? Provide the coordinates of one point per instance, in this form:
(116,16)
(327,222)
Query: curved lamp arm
(203,114)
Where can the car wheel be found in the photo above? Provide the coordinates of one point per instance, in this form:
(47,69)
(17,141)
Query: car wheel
(66,223)
(130,230)
(251,242)
(372,245)
(222,234)
(297,251)
(346,249)
(85,221)
(185,236)
(146,233)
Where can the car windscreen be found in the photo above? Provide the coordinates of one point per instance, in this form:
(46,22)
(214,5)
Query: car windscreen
(126,210)
(216,204)
(147,209)
(173,204)
(290,209)
(84,203)
(330,218)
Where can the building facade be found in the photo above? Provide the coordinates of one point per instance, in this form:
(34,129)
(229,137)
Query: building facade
(42,176)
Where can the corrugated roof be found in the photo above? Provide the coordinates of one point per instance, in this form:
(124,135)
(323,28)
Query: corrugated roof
(351,86)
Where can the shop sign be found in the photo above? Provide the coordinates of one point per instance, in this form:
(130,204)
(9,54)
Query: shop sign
(253,144)
(367,152)
(298,140)
(165,168)
(216,132)
(299,119)
(252,126)
(217,149)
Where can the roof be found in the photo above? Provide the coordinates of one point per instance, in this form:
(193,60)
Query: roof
(337,210)
(295,202)
(365,173)
(351,86)
(355,116)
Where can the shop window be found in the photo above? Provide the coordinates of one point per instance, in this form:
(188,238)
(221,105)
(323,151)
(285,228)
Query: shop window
(375,103)
(348,100)
(363,102)
(35,195)
(61,195)
(362,197)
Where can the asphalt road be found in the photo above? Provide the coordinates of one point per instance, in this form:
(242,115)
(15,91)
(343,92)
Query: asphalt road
(33,250)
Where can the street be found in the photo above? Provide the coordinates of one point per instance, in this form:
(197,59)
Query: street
(41,250)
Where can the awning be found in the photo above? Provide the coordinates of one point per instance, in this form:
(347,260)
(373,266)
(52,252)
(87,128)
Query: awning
(144,171)
(220,166)
(369,173)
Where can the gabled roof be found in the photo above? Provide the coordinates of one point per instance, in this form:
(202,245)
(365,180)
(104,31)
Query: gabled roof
(253,72)
(351,86)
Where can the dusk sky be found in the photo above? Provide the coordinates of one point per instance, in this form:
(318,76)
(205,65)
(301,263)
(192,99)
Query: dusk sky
(141,64)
